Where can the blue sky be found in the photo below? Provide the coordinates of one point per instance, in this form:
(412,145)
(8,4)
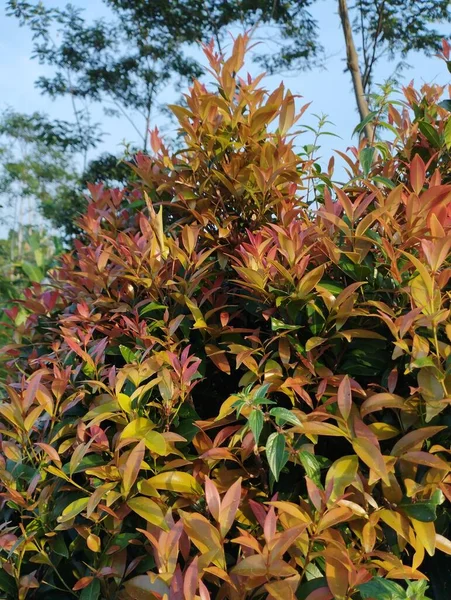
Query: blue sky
(328,89)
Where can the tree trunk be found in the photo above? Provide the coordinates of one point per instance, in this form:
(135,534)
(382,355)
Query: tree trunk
(352,60)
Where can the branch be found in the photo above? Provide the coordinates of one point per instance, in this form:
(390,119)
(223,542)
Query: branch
(352,60)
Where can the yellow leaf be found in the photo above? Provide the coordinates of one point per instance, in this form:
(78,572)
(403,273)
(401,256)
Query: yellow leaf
(384,431)
(372,457)
(313,342)
(204,536)
(176,481)
(343,471)
(442,543)
(73,509)
(125,402)
(137,428)
(148,510)
(155,442)
(93,542)
(426,533)
(226,408)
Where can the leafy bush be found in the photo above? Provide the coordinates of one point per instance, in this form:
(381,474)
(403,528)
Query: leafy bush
(237,385)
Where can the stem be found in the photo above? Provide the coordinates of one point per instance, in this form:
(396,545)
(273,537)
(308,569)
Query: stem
(352,60)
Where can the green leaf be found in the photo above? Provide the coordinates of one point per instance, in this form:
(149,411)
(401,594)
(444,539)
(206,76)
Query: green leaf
(128,355)
(260,393)
(276,453)
(92,592)
(445,104)
(425,511)
(150,308)
(255,422)
(311,465)
(58,546)
(361,126)
(122,540)
(448,134)
(430,133)
(310,586)
(88,462)
(382,589)
(7,584)
(73,509)
(33,272)
(276,324)
(366,159)
(387,182)
(283,415)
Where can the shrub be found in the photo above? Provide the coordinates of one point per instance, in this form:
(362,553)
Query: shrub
(237,385)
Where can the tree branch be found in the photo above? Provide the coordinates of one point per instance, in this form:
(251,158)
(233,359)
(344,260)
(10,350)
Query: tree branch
(352,60)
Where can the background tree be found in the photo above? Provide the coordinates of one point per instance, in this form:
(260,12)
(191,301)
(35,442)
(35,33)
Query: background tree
(124,61)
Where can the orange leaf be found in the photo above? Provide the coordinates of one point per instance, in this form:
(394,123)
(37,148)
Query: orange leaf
(372,457)
(229,506)
(344,397)
(133,465)
(337,578)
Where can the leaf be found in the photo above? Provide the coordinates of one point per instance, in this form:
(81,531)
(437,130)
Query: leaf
(380,401)
(276,454)
(413,438)
(137,428)
(128,355)
(73,509)
(311,465)
(313,342)
(361,126)
(448,134)
(287,113)
(148,510)
(382,589)
(430,133)
(283,415)
(255,422)
(93,542)
(427,459)
(424,511)
(446,104)
(33,272)
(337,578)
(252,566)
(366,159)
(344,397)
(133,466)
(204,536)
(343,473)
(229,506)
(7,584)
(92,592)
(212,498)
(425,531)
(442,543)
(142,586)
(372,457)
(155,442)
(176,481)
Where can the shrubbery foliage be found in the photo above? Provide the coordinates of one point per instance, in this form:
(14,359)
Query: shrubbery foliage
(237,385)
